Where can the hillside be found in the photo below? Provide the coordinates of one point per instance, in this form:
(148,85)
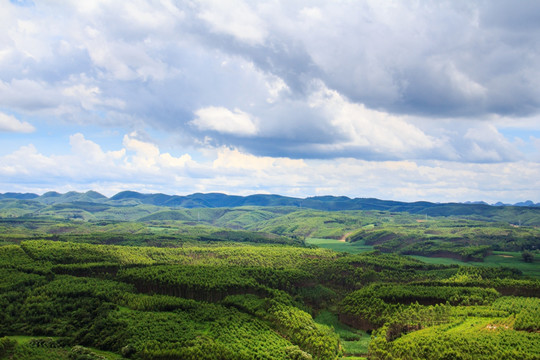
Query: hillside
(245,301)
(88,277)
(527,213)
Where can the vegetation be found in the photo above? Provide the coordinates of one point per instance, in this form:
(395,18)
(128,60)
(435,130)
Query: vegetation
(527,256)
(460,239)
(262,283)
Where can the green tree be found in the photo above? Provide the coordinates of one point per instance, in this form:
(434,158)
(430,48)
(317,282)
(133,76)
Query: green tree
(527,256)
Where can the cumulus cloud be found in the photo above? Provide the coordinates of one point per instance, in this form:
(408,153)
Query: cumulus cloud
(489,145)
(140,165)
(10,123)
(223,120)
(304,80)
(92,152)
(370,131)
(75,96)
(166,62)
(429,58)
(146,157)
(234,18)
(227,158)
(88,161)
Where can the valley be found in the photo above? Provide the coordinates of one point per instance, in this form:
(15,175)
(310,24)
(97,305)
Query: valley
(95,280)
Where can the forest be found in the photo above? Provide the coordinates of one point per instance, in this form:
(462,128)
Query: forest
(132,280)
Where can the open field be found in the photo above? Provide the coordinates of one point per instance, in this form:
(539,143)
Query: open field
(354,342)
(513,260)
(497,259)
(336,245)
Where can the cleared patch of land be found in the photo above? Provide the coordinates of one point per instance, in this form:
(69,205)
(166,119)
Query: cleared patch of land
(336,245)
(497,259)
(511,260)
(355,342)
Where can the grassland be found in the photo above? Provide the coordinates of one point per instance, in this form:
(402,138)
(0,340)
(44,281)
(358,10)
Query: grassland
(497,259)
(354,342)
(511,260)
(337,245)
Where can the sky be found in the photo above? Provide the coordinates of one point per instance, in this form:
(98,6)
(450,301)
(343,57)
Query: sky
(402,100)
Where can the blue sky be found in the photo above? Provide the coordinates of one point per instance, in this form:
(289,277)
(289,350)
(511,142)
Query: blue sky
(404,100)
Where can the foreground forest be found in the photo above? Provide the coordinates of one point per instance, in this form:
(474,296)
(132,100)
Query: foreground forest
(83,280)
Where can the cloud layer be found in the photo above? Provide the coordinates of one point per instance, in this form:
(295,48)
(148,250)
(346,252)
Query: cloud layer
(327,84)
(10,123)
(143,166)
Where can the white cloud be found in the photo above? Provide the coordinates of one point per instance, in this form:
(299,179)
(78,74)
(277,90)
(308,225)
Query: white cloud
(145,157)
(76,95)
(27,36)
(27,94)
(10,123)
(234,159)
(529,123)
(234,18)
(393,80)
(88,97)
(276,87)
(462,83)
(225,121)
(487,144)
(142,166)
(376,131)
(92,152)
(26,161)
(137,164)
(536,143)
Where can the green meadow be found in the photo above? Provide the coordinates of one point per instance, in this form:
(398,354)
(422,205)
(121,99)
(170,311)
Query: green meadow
(512,260)
(337,245)
(497,259)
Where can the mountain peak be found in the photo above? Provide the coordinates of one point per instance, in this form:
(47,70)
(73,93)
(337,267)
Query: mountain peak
(127,194)
(95,195)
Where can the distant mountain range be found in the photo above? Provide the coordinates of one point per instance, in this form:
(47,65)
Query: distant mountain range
(527,203)
(214,200)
